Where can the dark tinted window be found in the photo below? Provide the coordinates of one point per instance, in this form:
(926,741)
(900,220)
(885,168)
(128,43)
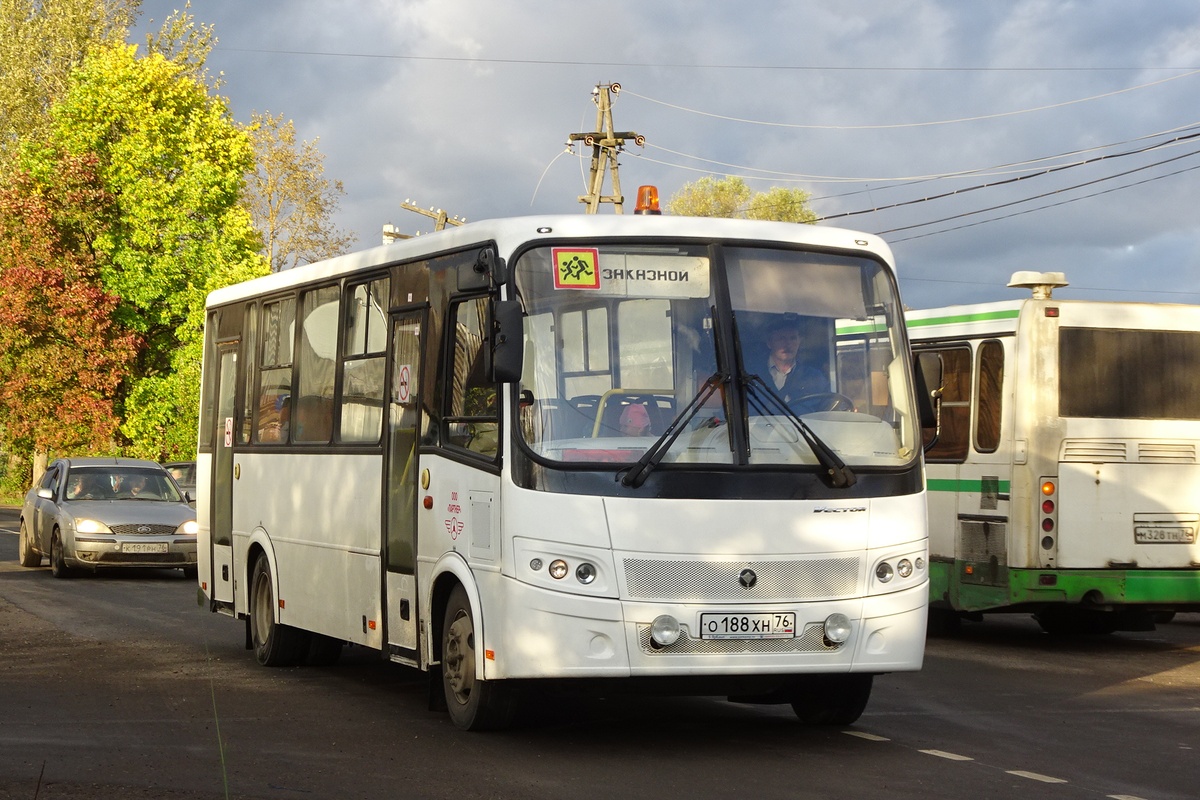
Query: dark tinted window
(1128,374)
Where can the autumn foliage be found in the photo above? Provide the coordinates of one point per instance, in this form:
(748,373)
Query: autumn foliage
(62,355)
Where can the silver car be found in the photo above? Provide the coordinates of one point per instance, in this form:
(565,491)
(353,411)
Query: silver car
(87,513)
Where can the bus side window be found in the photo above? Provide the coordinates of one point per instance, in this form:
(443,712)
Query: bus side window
(952,444)
(272,413)
(991,381)
(473,416)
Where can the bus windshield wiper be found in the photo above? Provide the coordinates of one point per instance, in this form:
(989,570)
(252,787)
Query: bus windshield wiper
(636,475)
(840,476)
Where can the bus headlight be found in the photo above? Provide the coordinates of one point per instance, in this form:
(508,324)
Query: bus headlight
(837,628)
(884,572)
(558,569)
(664,630)
(585,573)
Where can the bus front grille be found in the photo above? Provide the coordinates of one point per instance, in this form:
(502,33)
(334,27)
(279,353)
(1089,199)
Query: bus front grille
(772,581)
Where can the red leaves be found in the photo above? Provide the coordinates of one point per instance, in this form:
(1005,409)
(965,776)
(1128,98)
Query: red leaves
(62,355)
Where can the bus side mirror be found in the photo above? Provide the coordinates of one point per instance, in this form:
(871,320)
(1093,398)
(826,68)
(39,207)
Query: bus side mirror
(507,346)
(928,373)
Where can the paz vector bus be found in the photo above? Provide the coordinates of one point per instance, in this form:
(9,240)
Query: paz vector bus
(546,448)
(1064,478)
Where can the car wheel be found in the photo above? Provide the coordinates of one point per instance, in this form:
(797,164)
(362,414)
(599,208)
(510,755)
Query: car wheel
(58,562)
(25,552)
(275,645)
(474,704)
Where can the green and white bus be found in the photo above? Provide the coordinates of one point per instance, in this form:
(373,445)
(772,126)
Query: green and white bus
(540,448)
(1064,479)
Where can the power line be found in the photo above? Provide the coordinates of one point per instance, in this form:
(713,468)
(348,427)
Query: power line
(804,126)
(1017,179)
(670,65)
(1042,208)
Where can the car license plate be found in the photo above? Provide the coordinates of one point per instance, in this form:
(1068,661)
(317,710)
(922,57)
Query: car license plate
(1161,534)
(144,547)
(748,626)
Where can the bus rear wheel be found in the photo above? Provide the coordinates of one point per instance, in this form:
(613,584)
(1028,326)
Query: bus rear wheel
(474,704)
(275,645)
(831,699)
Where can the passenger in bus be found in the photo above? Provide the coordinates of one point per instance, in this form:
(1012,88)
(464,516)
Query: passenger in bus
(277,430)
(787,369)
(634,421)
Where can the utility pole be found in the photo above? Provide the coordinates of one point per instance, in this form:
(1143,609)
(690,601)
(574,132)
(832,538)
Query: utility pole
(391,233)
(606,144)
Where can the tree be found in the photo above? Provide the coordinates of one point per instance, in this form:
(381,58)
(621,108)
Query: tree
(41,41)
(171,160)
(62,352)
(731,197)
(290,200)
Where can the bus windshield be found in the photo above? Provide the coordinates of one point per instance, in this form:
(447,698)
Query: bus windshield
(736,355)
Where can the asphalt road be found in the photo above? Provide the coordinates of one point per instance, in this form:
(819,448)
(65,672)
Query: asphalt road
(119,686)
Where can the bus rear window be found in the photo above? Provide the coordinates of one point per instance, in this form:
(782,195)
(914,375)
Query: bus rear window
(1128,374)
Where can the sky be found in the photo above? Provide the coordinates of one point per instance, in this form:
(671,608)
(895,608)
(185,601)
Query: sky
(979,138)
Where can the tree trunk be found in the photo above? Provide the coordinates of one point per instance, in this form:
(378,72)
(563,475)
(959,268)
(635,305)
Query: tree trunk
(40,457)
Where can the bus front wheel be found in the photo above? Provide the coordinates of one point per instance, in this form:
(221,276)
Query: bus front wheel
(831,699)
(275,645)
(474,704)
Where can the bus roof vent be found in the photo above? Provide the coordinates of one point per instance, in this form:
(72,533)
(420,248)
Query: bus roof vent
(1042,284)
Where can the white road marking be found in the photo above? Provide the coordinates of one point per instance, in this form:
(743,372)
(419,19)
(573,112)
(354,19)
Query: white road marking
(944,754)
(870,737)
(1033,776)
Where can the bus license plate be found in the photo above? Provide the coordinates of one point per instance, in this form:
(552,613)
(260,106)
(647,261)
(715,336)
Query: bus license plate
(748,626)
(1164,535)
(144,547)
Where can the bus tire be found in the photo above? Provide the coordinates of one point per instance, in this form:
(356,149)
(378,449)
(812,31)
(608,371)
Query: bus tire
(25,552)
(275,645)
(473,704)
(831,699)
(323,651)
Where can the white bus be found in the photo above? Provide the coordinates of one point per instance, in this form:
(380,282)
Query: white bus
(421,449)
(1064,479)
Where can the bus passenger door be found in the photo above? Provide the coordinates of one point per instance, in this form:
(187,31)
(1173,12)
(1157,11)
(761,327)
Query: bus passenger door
(400,487)
(221,516)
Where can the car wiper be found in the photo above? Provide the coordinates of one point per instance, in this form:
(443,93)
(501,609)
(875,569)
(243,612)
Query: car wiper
(636,475)
(840,476)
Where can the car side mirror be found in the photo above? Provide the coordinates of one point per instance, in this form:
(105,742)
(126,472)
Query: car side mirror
(45,494)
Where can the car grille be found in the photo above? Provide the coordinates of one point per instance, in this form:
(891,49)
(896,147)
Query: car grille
(700,581)
(143,529)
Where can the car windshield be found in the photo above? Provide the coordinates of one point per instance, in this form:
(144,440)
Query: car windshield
(120,483)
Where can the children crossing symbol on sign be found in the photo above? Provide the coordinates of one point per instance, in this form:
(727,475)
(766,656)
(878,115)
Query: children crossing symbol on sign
(576,268)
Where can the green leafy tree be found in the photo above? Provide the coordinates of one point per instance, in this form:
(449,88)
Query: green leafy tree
(289,198)
(172,161)
(731,197)
(63,355)
(41,42)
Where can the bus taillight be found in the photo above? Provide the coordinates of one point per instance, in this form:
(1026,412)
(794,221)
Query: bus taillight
(1049,509)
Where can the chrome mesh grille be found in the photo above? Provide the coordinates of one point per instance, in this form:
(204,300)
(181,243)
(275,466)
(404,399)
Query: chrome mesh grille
(702,581)
(143,530)
(810,640)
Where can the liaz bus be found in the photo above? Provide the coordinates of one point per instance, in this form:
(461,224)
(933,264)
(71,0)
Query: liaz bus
(1064,478)
(549,448)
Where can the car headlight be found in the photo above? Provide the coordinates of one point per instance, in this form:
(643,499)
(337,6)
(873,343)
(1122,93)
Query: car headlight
(189,528)
(91,526)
